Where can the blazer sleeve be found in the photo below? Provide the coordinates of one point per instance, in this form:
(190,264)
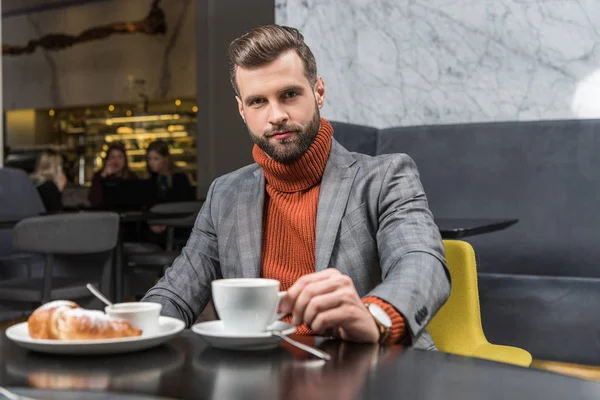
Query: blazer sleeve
(416,280)
(184,290)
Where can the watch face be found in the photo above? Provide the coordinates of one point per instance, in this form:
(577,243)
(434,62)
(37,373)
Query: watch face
(380,315)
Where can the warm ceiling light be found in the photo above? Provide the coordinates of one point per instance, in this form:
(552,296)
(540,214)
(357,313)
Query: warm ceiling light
(111,108)
(177,102)
(195,109)
(140,118)
(51,113)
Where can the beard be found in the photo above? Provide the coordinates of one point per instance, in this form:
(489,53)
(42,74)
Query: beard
(292,148)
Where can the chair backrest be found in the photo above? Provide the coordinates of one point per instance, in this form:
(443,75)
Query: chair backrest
(456,328)
(358,138)
(192,207)
(545,173)
(177,207)
(69,233)
(19,199)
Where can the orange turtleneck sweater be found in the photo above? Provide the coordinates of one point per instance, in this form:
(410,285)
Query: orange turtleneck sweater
(290,218)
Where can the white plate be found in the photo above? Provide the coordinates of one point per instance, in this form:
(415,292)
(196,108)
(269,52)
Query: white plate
(168,328)
(214,333)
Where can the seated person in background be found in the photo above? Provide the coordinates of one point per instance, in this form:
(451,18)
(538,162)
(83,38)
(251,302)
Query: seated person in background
(349,237)
(171,185)
(115,166)
(50,180)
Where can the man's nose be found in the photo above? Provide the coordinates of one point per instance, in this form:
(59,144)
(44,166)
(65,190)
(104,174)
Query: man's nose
(278,115)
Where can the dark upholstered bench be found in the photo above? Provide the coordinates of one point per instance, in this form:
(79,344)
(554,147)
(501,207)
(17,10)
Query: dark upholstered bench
(539,280)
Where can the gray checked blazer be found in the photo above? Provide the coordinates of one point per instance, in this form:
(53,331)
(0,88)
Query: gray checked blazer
(373,224)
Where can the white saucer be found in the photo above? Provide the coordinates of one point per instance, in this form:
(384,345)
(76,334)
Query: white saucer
(168,328)
(214,333)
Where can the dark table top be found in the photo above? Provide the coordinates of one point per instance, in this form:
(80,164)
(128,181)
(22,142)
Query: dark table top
(187,368)
(138,216)
(456,228)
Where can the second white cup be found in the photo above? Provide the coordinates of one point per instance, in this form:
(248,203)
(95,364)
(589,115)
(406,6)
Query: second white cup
(142,315)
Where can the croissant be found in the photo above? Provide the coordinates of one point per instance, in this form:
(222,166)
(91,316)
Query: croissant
(65,320)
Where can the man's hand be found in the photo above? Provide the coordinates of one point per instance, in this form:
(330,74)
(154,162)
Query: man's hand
(327,301)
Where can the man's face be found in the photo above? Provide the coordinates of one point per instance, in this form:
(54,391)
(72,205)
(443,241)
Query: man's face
(280,107)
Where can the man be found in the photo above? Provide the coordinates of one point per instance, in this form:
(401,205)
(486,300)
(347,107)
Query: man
(349,236)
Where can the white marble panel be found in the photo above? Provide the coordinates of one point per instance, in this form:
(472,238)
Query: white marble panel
(407,62)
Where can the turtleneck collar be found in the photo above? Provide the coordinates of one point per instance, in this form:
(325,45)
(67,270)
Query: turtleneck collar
(303,173)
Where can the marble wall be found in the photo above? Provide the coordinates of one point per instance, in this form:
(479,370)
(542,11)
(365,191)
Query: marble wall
(412,62)
(97,72)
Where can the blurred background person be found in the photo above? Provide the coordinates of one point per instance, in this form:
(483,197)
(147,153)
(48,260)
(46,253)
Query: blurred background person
(50,179)
(171,184)
(115,166)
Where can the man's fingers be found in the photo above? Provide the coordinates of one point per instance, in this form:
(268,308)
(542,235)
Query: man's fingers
(297,287)
(311,291)
(331,319)
(321,304)
(287,303)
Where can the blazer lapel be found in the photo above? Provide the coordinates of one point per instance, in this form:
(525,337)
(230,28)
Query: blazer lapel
(333,196)
(250,204)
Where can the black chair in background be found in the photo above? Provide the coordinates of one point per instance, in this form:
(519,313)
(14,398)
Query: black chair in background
(19,199)
(76,248)
(175,239)
(153,263)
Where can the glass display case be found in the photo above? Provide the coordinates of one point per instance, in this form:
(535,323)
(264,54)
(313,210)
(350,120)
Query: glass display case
(136,133)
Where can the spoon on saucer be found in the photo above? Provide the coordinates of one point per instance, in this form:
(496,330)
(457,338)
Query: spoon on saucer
(98,294)
(316,352)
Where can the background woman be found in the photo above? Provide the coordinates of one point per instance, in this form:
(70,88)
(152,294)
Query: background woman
(50,179)
(171,185)
(115,166)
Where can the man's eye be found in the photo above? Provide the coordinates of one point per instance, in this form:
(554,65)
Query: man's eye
(257,102)
(291,94)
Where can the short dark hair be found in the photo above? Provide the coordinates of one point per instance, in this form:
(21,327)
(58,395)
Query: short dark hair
(264,44)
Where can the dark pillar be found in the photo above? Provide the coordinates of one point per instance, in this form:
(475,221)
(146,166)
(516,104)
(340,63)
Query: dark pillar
(223,144)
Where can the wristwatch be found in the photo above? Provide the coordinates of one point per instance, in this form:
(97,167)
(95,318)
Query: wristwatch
(383,321)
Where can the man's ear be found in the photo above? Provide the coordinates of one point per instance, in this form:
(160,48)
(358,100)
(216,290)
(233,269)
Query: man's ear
(320,92)
(240,108)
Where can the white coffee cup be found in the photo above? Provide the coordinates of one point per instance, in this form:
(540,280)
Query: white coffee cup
(142,315)
(247,305)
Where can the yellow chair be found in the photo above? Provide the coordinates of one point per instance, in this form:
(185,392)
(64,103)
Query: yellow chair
(456,328)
